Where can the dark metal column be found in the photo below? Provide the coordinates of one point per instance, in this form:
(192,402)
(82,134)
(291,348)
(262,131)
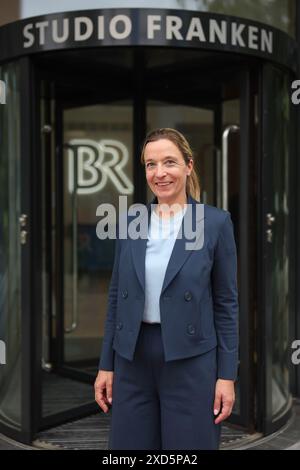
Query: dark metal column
(296,388)
(139,124)
(31,260)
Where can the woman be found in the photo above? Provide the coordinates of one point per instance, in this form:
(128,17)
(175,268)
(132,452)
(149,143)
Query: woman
(170,347)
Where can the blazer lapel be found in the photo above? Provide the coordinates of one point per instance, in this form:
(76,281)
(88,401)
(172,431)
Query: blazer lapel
(138,249)
(179,254)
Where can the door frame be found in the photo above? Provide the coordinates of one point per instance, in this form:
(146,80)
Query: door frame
(246,417)
(244,80)
(246,304)
(60,106)
(30,252)
(268,423)
(56,251)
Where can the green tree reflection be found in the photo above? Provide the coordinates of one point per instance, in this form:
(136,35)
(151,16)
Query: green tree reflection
(278,13)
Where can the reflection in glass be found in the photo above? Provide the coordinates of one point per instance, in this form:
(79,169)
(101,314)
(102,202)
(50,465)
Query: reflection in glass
(97,169)
(278,13)
(10,256)
(97,140)
(197,125)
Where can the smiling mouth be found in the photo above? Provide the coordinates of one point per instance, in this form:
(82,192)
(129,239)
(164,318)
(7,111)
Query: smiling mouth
(163,184)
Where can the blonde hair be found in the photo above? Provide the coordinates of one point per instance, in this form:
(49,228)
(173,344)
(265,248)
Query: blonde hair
(192,184)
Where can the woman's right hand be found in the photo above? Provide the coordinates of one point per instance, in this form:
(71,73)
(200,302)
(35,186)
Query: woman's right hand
(103,389)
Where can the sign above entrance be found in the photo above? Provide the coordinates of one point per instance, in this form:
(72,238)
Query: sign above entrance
(145,27)
(156,27)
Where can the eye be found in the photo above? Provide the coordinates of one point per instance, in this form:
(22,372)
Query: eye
(170,163)
(149,165)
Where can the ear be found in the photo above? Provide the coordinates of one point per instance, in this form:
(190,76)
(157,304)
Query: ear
(191,164)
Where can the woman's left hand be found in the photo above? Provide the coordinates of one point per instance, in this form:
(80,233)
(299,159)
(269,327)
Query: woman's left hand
(224,399)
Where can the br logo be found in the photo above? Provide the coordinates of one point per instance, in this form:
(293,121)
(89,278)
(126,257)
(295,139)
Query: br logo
(92,164)
(2,92)
(2,352)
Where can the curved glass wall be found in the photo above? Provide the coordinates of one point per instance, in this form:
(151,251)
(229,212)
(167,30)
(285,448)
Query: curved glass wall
(280,245)
(10,309)
(278,293)
(278,13)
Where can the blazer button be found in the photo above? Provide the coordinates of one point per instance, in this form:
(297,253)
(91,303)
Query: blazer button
(191,329)
(124,294)
(119,326)
(187,295)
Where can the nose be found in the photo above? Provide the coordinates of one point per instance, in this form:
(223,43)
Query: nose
(160,170)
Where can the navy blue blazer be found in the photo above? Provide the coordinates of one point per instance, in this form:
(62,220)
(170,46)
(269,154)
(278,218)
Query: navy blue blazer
(198,301)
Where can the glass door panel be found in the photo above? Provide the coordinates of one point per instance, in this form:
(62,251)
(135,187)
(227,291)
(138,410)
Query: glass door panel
(215,132)
(98,168)
(89,140)
(197,125)
(12,254)
(90,163)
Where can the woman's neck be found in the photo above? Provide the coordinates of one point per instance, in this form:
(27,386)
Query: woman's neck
(166,209)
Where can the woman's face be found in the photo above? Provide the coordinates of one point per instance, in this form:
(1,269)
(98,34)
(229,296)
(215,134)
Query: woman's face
(166,171)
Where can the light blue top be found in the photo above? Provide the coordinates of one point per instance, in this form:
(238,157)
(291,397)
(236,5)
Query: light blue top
(162,235)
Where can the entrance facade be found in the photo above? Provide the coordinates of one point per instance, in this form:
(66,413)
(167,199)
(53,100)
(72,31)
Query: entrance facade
(73,129)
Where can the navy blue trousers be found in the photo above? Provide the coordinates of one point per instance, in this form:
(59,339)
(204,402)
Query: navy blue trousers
(160,405)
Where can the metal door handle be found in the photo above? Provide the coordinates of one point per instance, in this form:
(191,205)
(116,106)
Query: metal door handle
(227,131)
(74,323)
